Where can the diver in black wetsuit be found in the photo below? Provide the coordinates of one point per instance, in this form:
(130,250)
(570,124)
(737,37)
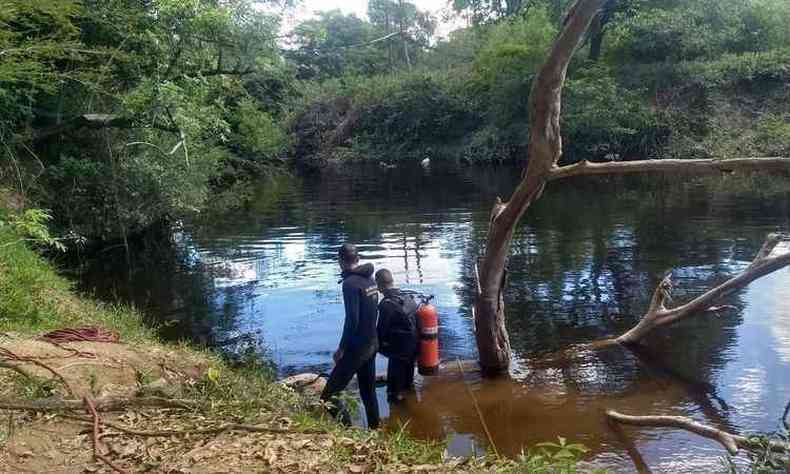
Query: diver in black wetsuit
(397,329)
(356,353)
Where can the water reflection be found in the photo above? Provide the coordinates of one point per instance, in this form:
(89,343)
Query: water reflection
(584,265)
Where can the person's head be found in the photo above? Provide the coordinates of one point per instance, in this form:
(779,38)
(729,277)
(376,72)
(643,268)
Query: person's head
(347,256)
(384,279)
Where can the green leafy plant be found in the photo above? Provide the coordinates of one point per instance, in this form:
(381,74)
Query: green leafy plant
(33,388)
(558,457)
(31,226)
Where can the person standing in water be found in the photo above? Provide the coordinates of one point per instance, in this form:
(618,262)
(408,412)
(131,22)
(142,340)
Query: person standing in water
(356,353)
(397,330)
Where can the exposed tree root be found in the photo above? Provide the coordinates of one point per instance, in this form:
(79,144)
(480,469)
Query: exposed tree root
(97,455)
(730,441)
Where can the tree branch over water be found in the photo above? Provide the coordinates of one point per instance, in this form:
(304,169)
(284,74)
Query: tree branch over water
(588,168)
(659,315)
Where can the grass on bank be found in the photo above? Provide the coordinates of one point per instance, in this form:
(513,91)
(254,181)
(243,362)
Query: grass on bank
(35,299)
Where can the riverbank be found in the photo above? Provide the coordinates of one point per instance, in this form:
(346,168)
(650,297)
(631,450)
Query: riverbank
(166,408)
(733,105)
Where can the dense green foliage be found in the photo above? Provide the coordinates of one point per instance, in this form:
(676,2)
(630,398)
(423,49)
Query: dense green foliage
(681,78)
(122,114)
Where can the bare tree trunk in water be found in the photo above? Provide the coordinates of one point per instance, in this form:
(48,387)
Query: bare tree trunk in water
(545,149)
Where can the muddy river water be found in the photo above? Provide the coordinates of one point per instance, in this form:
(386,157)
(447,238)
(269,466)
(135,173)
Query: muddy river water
(584,264)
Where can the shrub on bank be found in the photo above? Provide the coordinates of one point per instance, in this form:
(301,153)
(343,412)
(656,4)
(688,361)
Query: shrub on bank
(602,120)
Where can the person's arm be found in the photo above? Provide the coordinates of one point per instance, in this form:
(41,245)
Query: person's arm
(351,300)
(383,325)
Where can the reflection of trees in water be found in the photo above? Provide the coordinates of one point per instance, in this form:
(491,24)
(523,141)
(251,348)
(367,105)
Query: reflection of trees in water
(176,291)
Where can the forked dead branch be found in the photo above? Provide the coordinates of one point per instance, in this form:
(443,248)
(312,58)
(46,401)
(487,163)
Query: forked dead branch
(659,315)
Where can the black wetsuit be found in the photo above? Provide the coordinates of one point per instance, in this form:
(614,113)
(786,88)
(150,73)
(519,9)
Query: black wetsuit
(397,330)
(359,344)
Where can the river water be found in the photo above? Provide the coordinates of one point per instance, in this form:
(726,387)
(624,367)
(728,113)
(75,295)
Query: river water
(584,264)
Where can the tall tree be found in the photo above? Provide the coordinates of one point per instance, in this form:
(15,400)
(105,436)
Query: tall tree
(415,28)
(480,11)
(334,44)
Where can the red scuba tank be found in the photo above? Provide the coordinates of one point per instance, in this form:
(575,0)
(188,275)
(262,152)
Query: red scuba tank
(428,363)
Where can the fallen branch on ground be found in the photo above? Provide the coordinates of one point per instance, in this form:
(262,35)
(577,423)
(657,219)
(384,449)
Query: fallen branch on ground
(730,441)
(659,315)
(196,431)
(101,404)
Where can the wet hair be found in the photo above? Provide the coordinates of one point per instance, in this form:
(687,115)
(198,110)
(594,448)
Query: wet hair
(348,253)
(384,278)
